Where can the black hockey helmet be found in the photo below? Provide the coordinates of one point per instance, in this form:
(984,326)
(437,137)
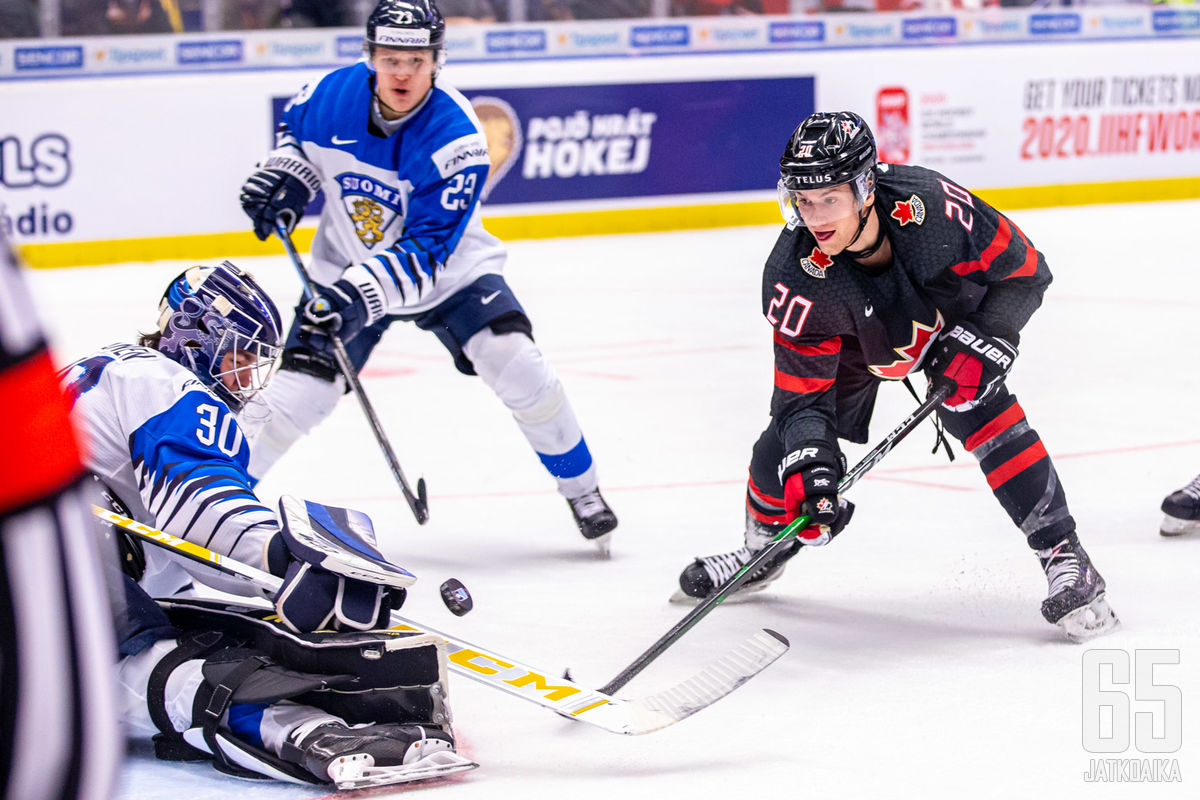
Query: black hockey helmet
(406,25)
(830,149)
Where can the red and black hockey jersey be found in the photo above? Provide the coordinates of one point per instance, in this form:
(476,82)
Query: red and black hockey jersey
(840,329)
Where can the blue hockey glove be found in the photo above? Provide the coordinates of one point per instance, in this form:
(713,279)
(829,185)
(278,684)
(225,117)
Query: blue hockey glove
(338,309)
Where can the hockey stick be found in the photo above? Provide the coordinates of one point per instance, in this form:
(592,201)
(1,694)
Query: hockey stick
(418,503)
(561,695)
(777,544)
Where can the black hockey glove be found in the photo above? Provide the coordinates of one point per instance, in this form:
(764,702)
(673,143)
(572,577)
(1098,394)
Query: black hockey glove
(338,309)
(312,598)
(273,193)
(973,363)
(810,478)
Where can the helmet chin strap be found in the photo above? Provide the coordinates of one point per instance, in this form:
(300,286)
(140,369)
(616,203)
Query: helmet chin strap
(869,250)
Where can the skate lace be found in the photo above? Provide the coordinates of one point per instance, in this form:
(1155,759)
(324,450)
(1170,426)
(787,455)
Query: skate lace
(589,505)
(723,566)
(1062,568)
(1192,490)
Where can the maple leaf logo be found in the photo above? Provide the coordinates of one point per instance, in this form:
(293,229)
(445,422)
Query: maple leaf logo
(912,353)
(910,210)
(816,263)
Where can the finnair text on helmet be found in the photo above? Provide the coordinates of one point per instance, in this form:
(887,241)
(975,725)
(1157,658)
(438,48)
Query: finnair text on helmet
(401,37)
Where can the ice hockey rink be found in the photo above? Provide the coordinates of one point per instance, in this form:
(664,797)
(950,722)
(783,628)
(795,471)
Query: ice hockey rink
(920,664)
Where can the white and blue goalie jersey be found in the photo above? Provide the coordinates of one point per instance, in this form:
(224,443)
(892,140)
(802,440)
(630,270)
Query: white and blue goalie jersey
(401,213)
(175,455)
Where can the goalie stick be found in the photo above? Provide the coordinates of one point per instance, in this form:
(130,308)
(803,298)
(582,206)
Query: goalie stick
(561,695)
(418,502)
(780,541)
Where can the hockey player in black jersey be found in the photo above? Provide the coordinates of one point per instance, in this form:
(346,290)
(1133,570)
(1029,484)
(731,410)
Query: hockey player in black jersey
(882,271)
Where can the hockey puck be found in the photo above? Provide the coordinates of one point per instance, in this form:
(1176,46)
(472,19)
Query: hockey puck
(456,597)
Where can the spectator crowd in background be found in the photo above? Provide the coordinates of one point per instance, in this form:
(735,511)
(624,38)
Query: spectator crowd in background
(34,18)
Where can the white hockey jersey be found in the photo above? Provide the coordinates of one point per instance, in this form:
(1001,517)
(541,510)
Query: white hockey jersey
(175,455)
(401,215)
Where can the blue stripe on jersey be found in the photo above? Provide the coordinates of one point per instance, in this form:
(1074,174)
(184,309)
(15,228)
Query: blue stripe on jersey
(194,446)
(383,259)
(570,464)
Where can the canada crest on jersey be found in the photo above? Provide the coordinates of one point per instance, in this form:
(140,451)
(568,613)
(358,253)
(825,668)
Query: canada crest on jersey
(816,263)
(372,206)
(912,353)
(910,210)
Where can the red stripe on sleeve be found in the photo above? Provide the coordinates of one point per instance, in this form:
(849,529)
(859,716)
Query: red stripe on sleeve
(1030,265)
(999,245)
(791,383)
(999,425)
(1009,469)
(828,347)
(41,451)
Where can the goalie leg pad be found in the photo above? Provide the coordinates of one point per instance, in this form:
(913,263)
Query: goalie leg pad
(399,676)
(515,369)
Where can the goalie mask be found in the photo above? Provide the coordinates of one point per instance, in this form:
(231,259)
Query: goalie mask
(219,324)
(826,150)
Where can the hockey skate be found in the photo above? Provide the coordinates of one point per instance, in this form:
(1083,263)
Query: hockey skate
(1181,510)
(703,576)
(375,755)
(595,519)
(1075,601)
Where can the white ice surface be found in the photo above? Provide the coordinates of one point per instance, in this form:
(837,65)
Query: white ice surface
(920,664)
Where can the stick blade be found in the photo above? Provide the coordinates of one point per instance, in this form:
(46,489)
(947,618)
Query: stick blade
(656,711)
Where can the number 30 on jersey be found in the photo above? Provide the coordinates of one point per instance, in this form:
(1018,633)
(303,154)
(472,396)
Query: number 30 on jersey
(217,427)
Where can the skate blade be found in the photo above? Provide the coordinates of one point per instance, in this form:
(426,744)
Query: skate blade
(603,544)
(1090,621)
(740,596)
(359,771)
(1173,526)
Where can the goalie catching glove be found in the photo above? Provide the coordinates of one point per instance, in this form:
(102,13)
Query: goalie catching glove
(810,478)
(974,363)
(334,578)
